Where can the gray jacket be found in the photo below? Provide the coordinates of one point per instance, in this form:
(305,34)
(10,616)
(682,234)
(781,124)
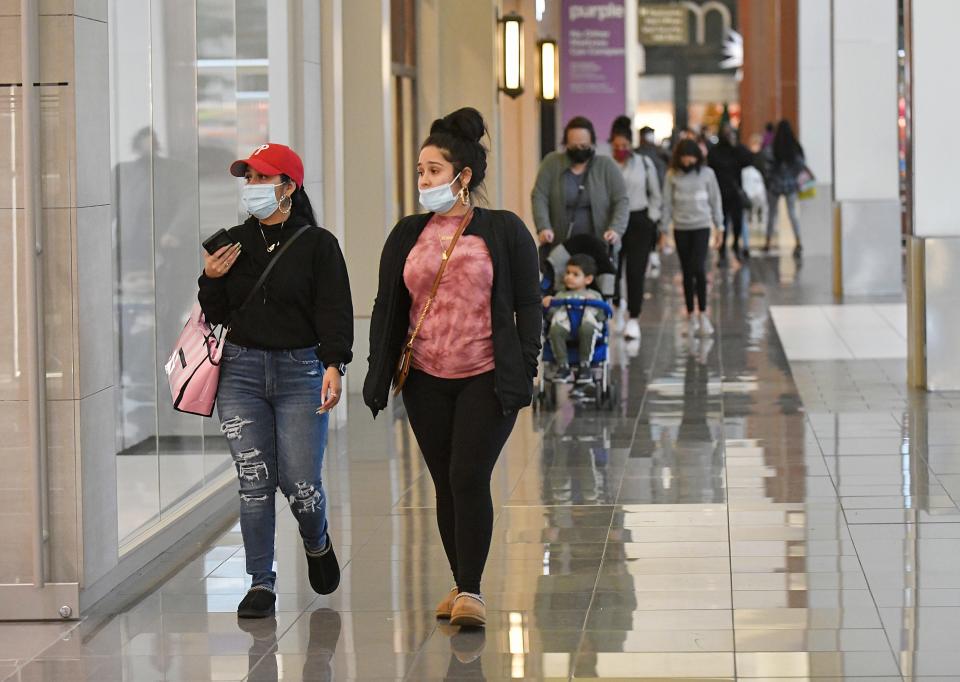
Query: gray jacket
(609,203)
(692,200)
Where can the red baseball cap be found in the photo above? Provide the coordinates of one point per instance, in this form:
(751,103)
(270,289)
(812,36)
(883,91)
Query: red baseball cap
(271,159)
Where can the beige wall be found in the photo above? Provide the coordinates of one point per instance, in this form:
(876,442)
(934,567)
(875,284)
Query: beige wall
(457,64)
(520,123)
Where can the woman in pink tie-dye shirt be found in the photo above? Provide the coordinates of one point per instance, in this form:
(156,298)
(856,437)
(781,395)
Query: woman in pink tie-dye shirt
(475,355)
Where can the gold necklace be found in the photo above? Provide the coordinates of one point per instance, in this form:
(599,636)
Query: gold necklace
(271,247)
(443,251)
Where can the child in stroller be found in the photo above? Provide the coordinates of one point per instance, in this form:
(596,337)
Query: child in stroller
(579,312)
(580,272)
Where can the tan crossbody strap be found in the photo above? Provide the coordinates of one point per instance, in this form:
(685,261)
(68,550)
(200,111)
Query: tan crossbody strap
(436,282)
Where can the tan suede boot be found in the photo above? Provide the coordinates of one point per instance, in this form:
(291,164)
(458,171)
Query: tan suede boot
(446,605)
(468,611)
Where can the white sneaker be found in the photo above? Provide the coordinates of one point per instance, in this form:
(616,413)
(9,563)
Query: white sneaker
(655,260)
(619,322)
(706,329)
(693,327)
(632,330)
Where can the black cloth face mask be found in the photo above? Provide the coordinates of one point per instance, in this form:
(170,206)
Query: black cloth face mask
(578,155)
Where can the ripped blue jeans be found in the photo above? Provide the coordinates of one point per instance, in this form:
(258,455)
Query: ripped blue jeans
(267,402)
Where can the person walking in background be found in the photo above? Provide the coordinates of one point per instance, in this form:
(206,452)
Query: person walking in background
(728,158)
(783,163)
(768,131)
(459,297)
(283,359)
(578,192)
(691,200)
(648,148)
(643,190)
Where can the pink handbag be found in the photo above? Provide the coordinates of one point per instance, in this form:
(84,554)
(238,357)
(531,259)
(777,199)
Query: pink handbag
(193,369)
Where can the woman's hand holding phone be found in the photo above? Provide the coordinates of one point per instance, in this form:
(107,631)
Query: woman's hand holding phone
(219,263)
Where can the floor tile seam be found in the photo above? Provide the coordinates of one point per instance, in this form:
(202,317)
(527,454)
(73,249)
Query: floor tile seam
(887,321)
(216,568)
(873,597)
(726,480)
(936,476)
(18,667)
(273,651)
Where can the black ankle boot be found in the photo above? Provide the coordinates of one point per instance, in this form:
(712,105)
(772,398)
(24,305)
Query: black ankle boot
(260,602)
(323,569)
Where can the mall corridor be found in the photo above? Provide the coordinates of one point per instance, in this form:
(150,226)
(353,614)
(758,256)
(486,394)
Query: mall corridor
(738,515)
(768,488)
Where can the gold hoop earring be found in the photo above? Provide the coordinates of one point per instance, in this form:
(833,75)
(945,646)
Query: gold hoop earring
(285,208)
(464,195)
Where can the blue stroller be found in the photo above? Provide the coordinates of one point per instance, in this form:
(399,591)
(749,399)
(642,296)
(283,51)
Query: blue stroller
(602,393)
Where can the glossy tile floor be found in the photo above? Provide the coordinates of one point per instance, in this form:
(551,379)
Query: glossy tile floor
(710,527)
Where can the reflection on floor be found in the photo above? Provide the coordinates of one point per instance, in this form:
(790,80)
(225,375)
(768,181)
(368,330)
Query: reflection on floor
(711,527)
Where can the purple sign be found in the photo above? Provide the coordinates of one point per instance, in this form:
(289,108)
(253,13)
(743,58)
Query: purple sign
(593,69)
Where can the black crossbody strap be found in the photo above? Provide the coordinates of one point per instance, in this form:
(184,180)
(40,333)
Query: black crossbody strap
(273,261)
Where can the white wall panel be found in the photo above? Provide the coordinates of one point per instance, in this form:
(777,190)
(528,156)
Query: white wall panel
(936,100)
(865,99)
(816,97)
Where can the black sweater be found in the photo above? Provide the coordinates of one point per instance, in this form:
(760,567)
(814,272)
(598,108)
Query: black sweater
(727,162)
(516,312)
(304,302)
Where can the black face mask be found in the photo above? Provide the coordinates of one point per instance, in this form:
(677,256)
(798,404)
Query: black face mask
(578,155)
(688,167)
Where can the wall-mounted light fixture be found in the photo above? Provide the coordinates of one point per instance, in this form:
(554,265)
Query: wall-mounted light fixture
(511,54)
(549,70)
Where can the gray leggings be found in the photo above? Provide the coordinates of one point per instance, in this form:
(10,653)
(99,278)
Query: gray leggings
(773,205)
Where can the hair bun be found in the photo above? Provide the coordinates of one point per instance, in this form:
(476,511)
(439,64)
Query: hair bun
(466,123)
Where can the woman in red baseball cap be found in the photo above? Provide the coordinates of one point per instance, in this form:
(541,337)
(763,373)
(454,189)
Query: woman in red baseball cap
(288,343)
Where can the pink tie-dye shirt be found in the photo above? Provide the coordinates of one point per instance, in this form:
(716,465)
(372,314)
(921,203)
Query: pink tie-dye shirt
(456,339)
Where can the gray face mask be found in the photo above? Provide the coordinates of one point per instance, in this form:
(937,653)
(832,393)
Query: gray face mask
(260,201)
(439,199)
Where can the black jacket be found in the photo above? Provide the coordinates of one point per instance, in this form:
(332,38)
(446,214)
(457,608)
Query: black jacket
(304,302)
(516,312)
(727,162)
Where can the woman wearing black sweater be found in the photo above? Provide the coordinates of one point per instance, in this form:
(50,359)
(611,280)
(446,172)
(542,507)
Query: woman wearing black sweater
(283,359)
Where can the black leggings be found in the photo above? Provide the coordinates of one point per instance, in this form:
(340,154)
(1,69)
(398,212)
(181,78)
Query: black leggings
(638,240)
(692,247)
(461,429)
(732,222)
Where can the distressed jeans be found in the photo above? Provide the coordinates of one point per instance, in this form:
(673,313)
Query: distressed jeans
(267,402)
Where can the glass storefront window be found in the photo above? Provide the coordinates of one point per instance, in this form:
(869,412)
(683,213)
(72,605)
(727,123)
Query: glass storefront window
(189,93)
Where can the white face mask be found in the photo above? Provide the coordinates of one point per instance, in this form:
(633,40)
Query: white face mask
(260,201)
(439,199)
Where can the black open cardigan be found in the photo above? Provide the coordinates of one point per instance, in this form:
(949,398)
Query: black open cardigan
(516,315)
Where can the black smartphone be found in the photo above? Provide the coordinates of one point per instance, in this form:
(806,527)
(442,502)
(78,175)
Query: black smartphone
(217,241)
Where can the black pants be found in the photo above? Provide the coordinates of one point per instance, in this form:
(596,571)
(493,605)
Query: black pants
(638,242)
(692,247)
(461,429)
(732,222)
